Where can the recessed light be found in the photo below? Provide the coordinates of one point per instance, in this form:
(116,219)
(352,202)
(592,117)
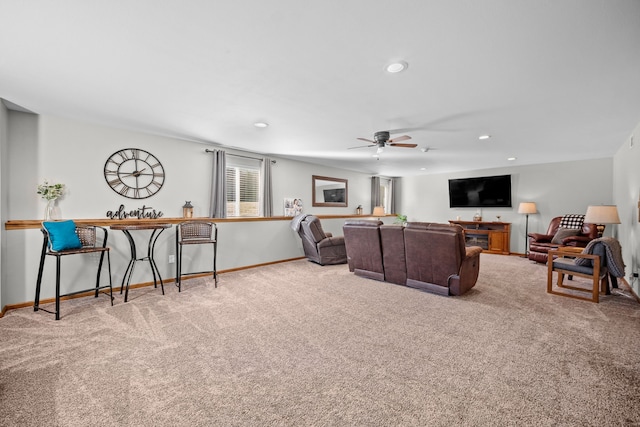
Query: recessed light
(396,67)
(423,169)
(481,137)
(511,158)
(261,124)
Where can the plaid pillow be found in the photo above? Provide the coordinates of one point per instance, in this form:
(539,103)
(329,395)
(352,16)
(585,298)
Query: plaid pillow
(572,221)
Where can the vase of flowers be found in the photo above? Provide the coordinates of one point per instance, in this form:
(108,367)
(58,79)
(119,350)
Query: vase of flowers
(50,193)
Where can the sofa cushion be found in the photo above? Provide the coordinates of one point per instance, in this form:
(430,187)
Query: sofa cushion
(563,233)
(62,235)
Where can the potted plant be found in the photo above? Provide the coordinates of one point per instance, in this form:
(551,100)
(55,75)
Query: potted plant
(401,219)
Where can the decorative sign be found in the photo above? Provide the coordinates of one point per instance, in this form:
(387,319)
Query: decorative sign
(140,213)
(292,207)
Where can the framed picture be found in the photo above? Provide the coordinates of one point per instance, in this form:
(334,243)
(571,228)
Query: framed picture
(292,207)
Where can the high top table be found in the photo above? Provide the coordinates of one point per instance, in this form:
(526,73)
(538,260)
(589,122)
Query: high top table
(157,229)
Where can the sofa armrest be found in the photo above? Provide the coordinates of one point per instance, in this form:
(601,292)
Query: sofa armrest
(576,240)
(472,251)
(541,238)
(331,241)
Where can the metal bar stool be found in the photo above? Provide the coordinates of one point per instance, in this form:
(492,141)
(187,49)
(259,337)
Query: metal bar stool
(89,244)
(195,233)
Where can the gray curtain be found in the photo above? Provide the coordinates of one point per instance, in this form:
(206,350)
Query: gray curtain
(267,192)
(218,207)
(375,192)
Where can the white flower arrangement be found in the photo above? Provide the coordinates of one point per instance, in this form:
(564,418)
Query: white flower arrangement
(50,191)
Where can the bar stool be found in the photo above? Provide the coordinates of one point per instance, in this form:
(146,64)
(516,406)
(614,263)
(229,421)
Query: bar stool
(195,233)
(88,243)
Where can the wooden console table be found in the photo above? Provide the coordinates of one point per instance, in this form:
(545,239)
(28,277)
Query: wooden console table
(492,237)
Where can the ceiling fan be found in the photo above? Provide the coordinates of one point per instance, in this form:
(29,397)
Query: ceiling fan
(381,140)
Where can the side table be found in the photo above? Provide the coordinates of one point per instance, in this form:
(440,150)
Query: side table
(157,229)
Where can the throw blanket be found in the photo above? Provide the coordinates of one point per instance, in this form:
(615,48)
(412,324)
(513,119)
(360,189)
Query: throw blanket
(572,221)
(613,250)
(295,222)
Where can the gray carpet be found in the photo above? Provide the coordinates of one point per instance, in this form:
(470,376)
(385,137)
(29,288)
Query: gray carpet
(297,344)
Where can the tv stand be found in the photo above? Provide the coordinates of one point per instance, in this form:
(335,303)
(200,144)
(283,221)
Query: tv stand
(492,237)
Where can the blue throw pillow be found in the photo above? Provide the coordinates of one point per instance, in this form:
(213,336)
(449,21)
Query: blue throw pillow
(62,235)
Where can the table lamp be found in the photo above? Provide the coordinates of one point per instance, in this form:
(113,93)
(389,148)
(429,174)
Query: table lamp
(601,215)
(378,211)
(527,208)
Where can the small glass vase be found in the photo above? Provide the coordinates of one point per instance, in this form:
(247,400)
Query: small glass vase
(51,211)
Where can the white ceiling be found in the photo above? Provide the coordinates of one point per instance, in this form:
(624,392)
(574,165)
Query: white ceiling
(549,80)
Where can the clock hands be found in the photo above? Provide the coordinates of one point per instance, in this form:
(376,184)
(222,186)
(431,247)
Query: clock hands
(135,173)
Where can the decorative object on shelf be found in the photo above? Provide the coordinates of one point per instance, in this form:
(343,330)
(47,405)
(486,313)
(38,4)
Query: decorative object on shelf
(498,217)
(50,193)
(477,217)
(401,219)
(601,215)
(292,206)
(527,208)
(359,210)
(134,173)
(187,210)
(378,211)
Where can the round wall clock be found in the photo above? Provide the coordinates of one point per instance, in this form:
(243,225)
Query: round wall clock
(134,173)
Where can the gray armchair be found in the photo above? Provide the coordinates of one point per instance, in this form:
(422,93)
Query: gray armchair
(321,247)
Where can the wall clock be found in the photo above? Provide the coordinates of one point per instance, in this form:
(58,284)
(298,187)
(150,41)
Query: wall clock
(134,173)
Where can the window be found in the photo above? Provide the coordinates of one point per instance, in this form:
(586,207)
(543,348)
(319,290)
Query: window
(243,187)
(385,194)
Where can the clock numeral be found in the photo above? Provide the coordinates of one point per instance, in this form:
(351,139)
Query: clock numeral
(123,154)
(136,193)
(115,182)
(149,192)
(158,174)
(156,183)
(124,190)
(110,172)
(135,153)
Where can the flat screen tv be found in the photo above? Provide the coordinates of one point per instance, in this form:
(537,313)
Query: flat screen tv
(482,192)
(334,195)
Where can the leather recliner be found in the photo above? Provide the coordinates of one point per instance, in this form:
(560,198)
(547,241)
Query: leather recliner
(320,247)
(364,250)
(540,244)
(438,260)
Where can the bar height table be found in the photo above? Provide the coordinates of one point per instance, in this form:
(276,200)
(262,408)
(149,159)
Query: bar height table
(157,229)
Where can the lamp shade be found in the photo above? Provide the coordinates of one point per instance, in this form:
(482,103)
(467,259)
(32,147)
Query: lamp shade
(378,211)
(527,208)
(602,214)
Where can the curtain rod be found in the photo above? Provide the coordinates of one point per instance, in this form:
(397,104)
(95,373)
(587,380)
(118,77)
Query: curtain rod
(239,155)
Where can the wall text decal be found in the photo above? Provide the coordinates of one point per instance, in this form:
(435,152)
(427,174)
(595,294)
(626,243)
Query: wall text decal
(140,213)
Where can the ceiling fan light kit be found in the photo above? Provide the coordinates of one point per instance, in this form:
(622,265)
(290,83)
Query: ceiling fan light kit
(381,140)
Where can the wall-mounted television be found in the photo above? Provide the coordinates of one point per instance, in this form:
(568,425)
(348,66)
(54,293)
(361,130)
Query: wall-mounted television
(481,192)
(334,195)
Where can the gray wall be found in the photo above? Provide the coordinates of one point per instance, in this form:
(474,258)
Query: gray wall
(626,190)
(557,189)
(74,153)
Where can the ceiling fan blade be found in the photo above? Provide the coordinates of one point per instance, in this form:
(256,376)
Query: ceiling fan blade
(403,145)
(361,146)
(400,138)
(367,140)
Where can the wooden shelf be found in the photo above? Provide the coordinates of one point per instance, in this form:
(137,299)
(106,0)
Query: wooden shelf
(492,237)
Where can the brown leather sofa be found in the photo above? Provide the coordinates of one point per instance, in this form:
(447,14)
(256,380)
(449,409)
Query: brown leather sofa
(540,244)
(320,247)
(427,256)
(438,260)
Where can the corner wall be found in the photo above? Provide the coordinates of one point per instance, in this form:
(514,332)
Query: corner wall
(626,195)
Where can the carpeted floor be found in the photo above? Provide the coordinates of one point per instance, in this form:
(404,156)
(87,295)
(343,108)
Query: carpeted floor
(297,344)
